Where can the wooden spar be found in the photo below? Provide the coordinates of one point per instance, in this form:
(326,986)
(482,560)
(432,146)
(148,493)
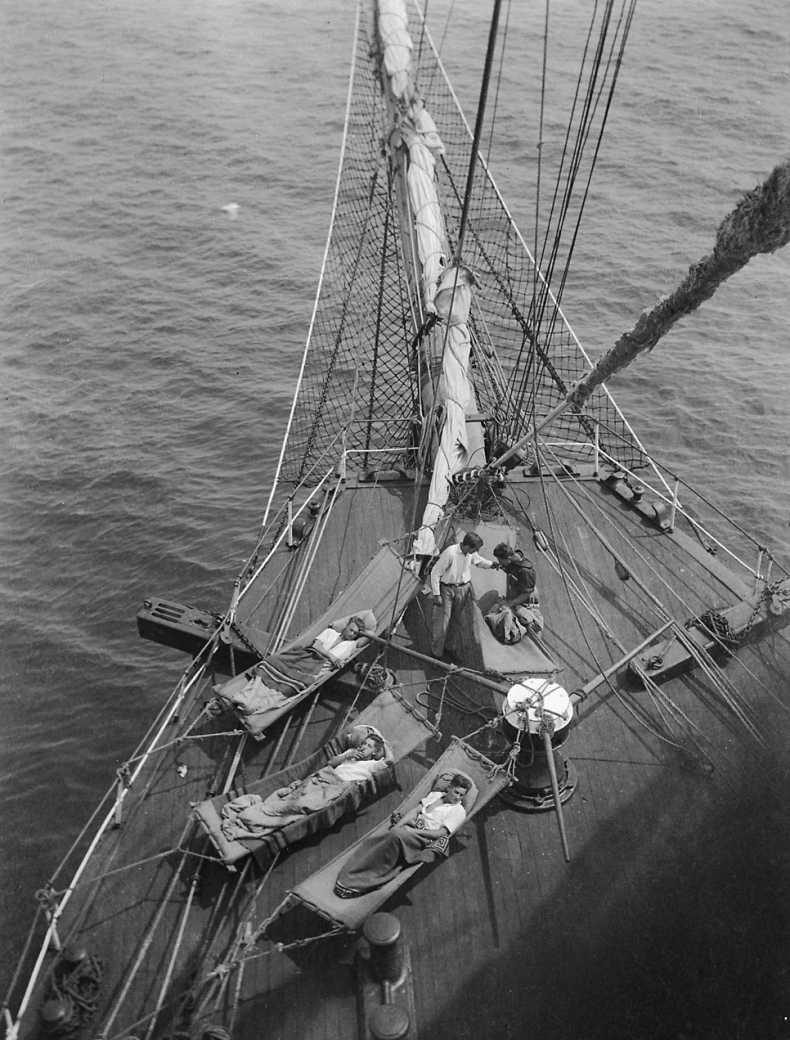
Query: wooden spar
(470,177)
(576,697)
(555,790)
(532,435)
(426,659)
(584,691)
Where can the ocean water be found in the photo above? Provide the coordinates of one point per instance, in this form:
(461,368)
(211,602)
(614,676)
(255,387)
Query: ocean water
(149,340)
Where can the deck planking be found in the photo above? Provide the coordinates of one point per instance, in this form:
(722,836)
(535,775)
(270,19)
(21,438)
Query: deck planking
(646,929)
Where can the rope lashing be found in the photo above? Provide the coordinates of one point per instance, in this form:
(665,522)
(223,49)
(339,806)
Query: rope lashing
(514,755)
(123,773)
(493,723)
(546,724)
(48,898)
(49,901)
(233,625)
(375,676)
(220,972)
(281,947)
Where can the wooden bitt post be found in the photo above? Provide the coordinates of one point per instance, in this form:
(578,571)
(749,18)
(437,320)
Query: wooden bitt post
(389,1022)
(383,933)
(385,990)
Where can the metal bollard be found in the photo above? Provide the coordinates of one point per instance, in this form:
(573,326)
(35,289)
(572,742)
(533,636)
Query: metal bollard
(389,1022)
(383,933)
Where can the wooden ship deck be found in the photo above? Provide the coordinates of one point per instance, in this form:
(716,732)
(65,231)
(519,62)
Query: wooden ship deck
(652,901)
(668,920)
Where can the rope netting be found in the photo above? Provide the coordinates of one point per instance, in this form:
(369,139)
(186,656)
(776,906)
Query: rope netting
(361,371)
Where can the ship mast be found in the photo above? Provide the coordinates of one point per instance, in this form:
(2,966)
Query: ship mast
(451,440)
(481,108)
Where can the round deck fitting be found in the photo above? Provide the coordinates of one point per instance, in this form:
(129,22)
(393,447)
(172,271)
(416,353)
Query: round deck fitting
(389,1022)
(525,794)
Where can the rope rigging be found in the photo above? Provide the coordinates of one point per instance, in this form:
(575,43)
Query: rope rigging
(721,682)
(524,380)
(478,499)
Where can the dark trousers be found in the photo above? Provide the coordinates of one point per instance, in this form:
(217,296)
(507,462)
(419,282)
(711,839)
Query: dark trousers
(454,599)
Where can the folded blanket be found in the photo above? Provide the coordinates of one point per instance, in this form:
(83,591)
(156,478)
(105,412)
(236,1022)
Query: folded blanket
(255,696)
(250,816)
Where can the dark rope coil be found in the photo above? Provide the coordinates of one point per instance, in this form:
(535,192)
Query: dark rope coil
(72,994)
(717,626)
(376,676)
(477,473)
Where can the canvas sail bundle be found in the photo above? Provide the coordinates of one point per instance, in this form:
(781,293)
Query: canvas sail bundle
(445,291)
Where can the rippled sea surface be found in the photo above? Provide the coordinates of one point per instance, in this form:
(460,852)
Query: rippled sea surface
(150,341)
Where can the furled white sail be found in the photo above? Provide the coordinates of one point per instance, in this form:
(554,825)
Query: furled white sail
(428,220)
(446,291)
(393,24)
(456,450)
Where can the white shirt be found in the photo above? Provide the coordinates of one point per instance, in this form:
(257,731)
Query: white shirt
(358,768)
(455,568)
(436,813)
(332,646)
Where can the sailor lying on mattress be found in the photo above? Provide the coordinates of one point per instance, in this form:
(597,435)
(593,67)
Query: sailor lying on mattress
(275,679)
(250,816)
(418,837)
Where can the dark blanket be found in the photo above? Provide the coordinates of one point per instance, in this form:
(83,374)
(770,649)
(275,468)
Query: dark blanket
(272,683)
(292,670)
(381,858)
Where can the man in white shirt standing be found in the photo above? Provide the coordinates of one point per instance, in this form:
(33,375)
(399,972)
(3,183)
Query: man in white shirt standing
(451,586)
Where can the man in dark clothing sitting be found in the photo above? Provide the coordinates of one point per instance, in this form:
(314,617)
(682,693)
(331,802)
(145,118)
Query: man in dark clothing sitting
(521,596)
(520,574)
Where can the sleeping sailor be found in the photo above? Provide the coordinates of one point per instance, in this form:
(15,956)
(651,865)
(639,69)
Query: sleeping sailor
(250,816)
(417,837)
(279,677)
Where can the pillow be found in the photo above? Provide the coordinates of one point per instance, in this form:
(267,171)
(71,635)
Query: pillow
(366,615)
(354,736)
